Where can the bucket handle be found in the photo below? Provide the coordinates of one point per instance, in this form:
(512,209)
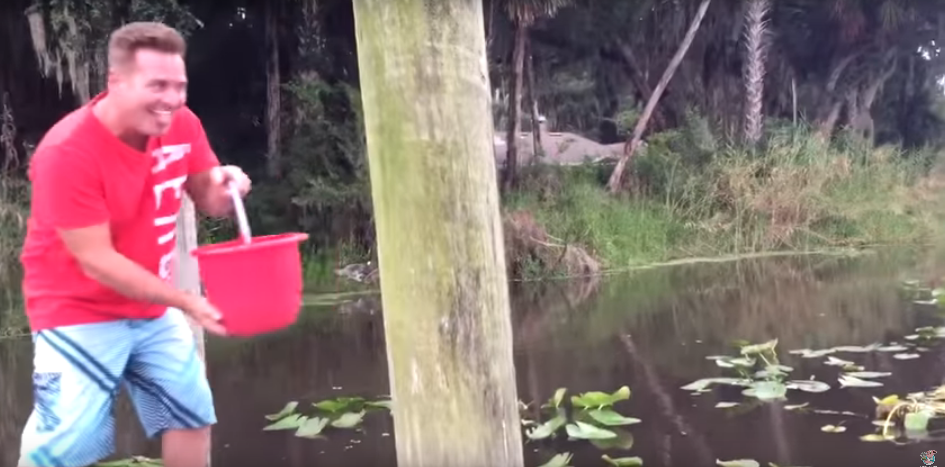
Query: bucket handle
(241,219)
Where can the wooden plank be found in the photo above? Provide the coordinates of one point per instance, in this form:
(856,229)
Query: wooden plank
(186,272)
(425,91)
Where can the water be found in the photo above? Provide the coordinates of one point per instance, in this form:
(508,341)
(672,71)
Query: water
(574,335)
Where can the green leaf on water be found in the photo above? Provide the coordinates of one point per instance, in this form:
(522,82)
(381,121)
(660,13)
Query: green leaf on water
(600,399)
(892,348)
(808,385)
(906,356)
(738,463)
(833,429)
(917,421)
(623,461)
(558,397)
(340,404)
(867,374)
(834,361)
(292,422)
(581,430)
(857,348)
(808,353)
(348,420)
(611,418)
(704,383)
(725,405)
(766,390)
(759,348)
(797,406)
(623,441)
(872,438)
(312,427)
(559,460)
(381,404)
(286,411)
(850,381)
(548,428)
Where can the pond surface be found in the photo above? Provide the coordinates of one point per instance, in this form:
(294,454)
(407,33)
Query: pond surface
(650,330)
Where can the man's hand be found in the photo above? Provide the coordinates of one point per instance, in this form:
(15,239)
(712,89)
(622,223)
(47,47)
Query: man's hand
(224,175)
(205,314)
(210,189)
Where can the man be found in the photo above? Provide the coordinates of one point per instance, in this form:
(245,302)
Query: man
(107,186)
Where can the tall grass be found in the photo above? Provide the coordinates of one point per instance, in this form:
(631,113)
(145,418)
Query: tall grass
(692,196)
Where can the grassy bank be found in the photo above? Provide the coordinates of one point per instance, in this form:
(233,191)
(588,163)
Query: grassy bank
(692,198)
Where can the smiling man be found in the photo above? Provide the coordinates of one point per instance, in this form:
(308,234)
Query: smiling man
(107,183)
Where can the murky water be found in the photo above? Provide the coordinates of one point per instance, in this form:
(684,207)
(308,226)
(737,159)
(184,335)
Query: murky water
(650,330)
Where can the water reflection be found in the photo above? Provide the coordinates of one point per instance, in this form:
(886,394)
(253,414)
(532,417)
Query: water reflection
(650,330)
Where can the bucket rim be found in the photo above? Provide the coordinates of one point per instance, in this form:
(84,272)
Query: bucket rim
(258,243)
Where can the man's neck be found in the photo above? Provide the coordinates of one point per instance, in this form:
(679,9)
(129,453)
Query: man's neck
(106,113)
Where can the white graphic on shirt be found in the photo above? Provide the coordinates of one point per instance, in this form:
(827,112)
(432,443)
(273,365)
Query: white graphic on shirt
(163,158)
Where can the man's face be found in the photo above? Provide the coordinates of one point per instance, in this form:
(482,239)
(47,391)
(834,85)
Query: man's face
(149,89)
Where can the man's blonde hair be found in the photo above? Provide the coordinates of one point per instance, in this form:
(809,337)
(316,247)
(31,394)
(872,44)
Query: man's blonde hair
(128,39)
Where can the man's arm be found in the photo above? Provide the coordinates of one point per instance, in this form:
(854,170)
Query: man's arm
(93,250)
(209,194)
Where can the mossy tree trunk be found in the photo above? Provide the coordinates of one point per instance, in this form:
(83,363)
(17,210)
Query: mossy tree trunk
(425,91)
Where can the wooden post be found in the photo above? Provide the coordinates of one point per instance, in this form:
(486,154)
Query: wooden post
(425,91)
(186,273)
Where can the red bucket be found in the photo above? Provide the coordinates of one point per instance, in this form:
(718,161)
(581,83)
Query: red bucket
(256,286)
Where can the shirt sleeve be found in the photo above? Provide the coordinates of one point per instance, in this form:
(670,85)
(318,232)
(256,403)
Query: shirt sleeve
(201,157)
(67,189)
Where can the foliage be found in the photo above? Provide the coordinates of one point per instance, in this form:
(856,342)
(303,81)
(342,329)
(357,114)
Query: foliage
(699,196)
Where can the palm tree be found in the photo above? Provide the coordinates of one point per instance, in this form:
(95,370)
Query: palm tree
(522,13)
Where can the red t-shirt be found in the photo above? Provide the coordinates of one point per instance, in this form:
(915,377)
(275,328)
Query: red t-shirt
(83,175)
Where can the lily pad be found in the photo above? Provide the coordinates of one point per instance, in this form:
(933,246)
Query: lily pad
(340,404)
(796,406)
(906,356)
(867,374)
(759,348)
(623,441)
(892,348)
(286,411)
(725,405)
(548,428)
(808,353)
(292,422)
(738,463)
(704,383)
(872,438)
(766,390)
(559,460)
(581,430)
(348,420)
(611,418)
(917,421)
(833,428)
(834,361)
(850,381)
(600,399)
(623,461)
(312,427)
(808,385)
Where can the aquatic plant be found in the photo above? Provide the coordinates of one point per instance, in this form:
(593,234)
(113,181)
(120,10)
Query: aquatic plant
(591,417)
(759,372)
(344,412)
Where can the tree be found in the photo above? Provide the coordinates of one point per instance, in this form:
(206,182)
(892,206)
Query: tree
(523,14)
(613,183)
(426,97)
